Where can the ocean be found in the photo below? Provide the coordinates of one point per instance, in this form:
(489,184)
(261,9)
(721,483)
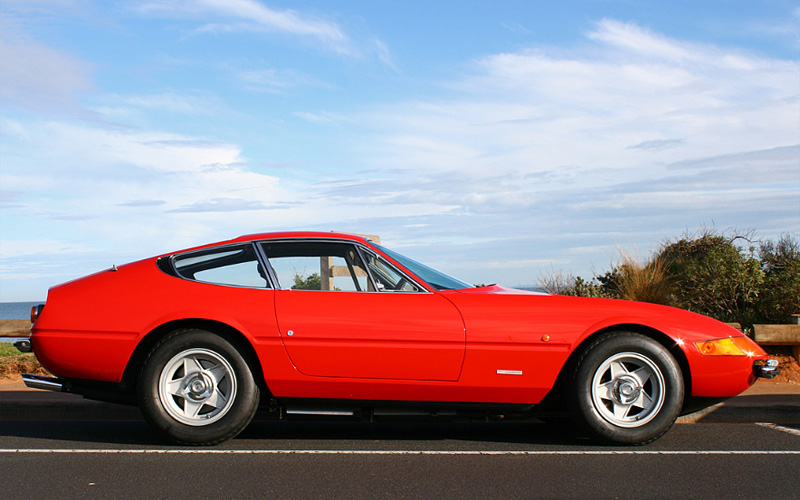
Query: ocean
(17,310)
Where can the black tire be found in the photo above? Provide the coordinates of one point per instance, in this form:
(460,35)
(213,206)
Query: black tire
(195,388)
(627,389)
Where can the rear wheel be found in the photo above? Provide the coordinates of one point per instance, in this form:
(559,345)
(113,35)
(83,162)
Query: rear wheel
(627,389)
(195,388)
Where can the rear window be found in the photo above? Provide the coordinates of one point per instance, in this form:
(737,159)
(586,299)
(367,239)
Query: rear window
(232,265)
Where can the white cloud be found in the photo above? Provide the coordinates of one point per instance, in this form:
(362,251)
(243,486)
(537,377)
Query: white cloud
(122,194)
(140,110)
(537,110)
(384,54)
(659,144)
(171,102)
(59,170)
(250,15)
(228,205)
(75,148)
(40,77)
(511,264)
(530,158)
(142,203)
(634,39)
(635,135)
(272,80)
(16,248)
(322,117)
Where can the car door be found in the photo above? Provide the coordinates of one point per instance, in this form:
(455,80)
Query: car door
(337,320)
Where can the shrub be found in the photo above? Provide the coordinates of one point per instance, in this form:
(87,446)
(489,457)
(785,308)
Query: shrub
(722,276)
(312,282)
(632,280)
(558,283)
(780,296)
(711,275)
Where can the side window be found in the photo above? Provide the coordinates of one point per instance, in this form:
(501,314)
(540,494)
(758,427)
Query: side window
(235,266)
(387,277)
(317,266)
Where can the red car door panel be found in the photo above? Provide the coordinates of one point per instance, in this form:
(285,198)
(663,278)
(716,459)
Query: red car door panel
(371,335)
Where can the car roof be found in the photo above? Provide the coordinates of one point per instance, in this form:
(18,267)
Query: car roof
(277,236)
(299,234)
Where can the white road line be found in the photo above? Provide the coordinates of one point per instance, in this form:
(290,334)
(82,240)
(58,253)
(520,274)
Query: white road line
(395,452)
(779,428)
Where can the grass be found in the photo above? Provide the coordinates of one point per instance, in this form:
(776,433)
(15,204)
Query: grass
(13,362)
(644,282)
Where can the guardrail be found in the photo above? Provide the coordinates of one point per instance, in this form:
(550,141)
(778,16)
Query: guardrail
(788,335)
(15,328)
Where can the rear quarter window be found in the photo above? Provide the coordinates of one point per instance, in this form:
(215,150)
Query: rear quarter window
(232,266)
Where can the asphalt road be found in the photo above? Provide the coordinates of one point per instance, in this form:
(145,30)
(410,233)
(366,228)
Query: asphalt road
(124,459)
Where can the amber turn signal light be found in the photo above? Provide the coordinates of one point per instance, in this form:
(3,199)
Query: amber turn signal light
(732,346)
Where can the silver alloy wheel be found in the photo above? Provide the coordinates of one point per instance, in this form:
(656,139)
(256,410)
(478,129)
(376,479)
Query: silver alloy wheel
(628,390)
(197,387)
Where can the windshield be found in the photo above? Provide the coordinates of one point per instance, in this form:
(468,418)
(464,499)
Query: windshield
(436,279)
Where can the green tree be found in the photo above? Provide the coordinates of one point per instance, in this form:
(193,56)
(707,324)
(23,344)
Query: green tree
(311,282)
(780,295)
(714,276)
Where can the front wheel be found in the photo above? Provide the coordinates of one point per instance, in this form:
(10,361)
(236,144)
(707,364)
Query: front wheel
(195,388)
(627,389)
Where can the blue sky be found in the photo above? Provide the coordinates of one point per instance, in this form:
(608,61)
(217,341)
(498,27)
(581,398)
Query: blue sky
(493,140)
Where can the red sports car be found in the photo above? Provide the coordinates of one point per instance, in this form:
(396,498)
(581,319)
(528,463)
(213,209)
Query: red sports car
(335,324)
